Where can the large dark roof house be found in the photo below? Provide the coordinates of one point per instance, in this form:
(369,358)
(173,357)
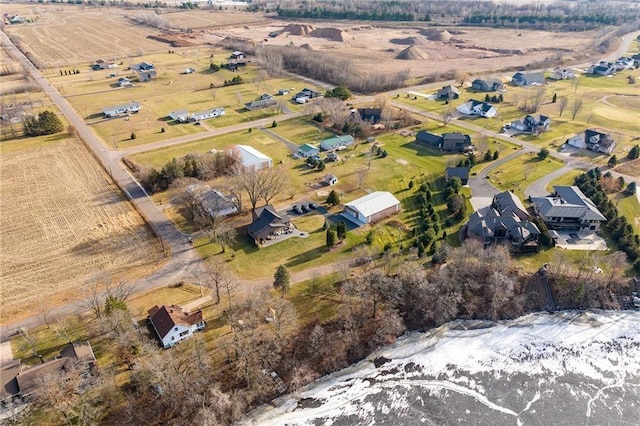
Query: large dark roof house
(268,223)
(505,221)
(450,142)
(262,102)
(528,79)
(372,115)
(448,92)
(173,325)
(568,209)
(487,85)
(461,173)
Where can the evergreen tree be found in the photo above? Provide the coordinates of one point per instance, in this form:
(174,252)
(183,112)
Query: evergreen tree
(496,155)
(487,156)
(45,123)
(631,189)
(613,161)
(342,230)
(333,198)
(331,238)
(634,152)
(555,98)
(543,154)
(282,280)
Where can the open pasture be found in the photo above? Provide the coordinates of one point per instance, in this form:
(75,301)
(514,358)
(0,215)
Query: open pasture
(517,174)
(62,220)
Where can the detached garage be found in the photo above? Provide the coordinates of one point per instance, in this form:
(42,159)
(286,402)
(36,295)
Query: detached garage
(373,207)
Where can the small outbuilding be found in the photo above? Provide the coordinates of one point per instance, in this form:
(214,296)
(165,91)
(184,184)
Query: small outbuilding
(330,179)
(461,173)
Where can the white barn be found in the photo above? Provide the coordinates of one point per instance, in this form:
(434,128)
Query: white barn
(251,157)
(173,325)
(372,207)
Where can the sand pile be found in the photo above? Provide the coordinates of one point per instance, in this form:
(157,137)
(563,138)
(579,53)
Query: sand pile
(409,41)
(437,35)
(413,53)
(298,29)
(333,34)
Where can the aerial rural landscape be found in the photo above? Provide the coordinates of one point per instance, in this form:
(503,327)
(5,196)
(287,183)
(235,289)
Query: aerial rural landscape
(314,212)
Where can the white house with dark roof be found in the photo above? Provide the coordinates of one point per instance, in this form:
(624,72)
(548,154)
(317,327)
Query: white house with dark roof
(372,207)
(568,209)
(173,325)
(252,158)
(562,74)
(593,141)
(477,108)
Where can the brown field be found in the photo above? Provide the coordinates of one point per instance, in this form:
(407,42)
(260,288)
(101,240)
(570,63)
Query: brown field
(432,50)
(61,222)
(75,36)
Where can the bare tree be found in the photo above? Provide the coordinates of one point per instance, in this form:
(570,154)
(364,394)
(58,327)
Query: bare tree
(45,309)
(238,96)
(447,114)
(361,176)
(536,100)
(272,180)
(461,78)
(576,106)
(562,104)
(223,234)
(247,179)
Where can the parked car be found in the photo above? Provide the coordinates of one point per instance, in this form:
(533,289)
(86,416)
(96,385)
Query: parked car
(313,206)
(305,208)
(297,209)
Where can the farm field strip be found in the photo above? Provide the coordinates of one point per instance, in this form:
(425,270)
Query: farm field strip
(63,221)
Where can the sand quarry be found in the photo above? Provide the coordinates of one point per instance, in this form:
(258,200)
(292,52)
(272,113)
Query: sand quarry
(385,47)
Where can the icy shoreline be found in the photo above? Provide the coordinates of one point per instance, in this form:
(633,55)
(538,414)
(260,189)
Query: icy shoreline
(570,368)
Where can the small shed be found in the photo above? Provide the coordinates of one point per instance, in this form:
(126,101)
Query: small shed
(460,172)
(329,179)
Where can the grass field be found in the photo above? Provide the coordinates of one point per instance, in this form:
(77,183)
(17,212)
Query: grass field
(629,208)
(566,179)
(518,173)
(92,91)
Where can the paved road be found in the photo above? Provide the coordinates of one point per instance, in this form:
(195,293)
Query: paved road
(182,260)
(180,257)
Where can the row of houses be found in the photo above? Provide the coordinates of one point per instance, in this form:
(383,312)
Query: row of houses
(521,78)
(609,68)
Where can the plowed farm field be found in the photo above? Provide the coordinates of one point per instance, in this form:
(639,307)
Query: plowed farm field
(71,37)
(63,221)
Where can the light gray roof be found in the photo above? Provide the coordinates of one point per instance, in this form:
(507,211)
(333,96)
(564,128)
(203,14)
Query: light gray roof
(568,201)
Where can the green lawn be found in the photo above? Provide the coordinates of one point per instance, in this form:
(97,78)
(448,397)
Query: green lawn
(518,173)
(566,179)
(91,91)
(259,140)
(301,131)
(629,208)
(295,253)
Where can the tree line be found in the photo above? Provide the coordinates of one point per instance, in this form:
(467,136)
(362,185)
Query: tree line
(594,185)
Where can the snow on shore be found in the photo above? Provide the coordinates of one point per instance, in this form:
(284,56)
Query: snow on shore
(570,368)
